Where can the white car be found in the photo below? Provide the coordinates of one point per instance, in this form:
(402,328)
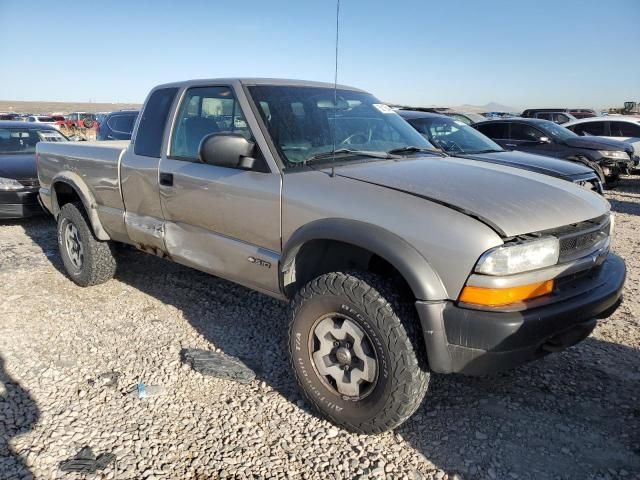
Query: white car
(625,128)
(45,119)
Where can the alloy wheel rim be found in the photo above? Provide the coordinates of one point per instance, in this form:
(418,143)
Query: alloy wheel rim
(73,244)
(343,356)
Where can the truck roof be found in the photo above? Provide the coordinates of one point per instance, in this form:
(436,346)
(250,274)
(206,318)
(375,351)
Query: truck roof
(255,81)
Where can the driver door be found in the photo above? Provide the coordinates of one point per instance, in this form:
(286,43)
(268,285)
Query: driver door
(225,221)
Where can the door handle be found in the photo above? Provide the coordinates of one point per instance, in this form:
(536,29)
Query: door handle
(166,179)
(511,145)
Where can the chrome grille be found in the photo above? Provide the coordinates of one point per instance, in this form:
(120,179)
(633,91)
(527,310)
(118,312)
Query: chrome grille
(588,237)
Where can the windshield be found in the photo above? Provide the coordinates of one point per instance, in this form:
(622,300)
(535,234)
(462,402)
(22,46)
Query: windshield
(24,140)
(558,131)
(453,136)
(302,121)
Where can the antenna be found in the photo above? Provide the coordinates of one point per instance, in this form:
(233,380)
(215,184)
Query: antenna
(335,88)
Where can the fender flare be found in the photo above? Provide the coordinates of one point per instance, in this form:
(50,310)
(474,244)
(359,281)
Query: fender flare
(421,277)
(88,200)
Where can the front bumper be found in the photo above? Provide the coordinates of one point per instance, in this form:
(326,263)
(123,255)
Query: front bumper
(477,342)
(19,203)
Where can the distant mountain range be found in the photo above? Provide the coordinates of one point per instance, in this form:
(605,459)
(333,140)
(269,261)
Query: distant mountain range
(489,107)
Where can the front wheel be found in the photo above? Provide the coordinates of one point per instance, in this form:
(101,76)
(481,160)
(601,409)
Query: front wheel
(88,261)
(356,352)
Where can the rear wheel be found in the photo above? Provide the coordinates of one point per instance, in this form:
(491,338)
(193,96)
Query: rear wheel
(88,261)
(356,351)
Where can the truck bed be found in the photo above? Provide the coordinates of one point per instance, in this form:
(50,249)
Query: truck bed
(92,165)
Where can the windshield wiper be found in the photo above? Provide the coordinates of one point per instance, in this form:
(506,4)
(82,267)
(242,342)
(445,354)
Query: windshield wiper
(412,149)
(488,150)
(348,151)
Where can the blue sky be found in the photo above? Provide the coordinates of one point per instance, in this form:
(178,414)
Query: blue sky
(420,52)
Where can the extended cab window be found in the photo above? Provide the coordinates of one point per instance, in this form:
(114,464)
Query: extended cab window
(148,140)
(206,110)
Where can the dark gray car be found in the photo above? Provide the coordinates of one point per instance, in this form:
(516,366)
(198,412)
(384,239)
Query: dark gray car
(543,137)
(456,138)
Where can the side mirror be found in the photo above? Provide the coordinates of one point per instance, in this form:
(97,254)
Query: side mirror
(229,150)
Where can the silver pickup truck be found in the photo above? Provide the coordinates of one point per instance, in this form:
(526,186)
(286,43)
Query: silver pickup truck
(398,260)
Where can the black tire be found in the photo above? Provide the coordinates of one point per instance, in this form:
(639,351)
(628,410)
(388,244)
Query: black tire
(392,333)
(97,261)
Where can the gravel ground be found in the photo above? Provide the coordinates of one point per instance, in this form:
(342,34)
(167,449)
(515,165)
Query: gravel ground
(574,415)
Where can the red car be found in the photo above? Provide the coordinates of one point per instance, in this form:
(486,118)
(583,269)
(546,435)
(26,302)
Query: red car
(80,120)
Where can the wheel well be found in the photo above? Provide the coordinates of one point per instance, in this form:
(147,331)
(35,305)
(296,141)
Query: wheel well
(318,257)
(65,193)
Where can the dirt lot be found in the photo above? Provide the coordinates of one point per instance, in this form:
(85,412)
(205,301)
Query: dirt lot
(574,415)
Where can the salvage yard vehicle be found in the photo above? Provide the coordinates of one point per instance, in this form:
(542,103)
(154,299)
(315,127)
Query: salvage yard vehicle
(18,174)
(80,120)
(117,125)
(622,128)
(398,261)
(542,137)
(43,119)
(458,139)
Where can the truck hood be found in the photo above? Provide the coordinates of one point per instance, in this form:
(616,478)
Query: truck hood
(18,166)
(511,201)
(597,143)
(536,163)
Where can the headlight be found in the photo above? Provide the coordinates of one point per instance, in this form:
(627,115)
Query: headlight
(510,259)
(618,155)
(10,184)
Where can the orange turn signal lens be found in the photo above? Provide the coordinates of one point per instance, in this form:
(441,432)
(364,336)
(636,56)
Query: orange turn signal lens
(495,297)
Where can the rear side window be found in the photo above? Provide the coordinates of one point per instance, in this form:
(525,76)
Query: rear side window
(624,129)
(494,130)
(590,128)
(122,123)
(560,118)
(154,117)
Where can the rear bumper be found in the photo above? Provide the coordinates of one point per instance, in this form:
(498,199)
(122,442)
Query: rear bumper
(19,204)
(477,342)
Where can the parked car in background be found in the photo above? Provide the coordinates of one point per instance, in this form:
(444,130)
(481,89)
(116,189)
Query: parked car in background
(498,114)
(397,261)
(100,116)
(558,117)
(9,116)
(466,117)
(457,138)
(43,119)
(80,120)
(583,113)
(608,157)
(117,125)
(18,173)
(615,127)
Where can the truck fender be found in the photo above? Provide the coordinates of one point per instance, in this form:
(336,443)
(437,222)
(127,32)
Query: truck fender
(88,200)
(421,277)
